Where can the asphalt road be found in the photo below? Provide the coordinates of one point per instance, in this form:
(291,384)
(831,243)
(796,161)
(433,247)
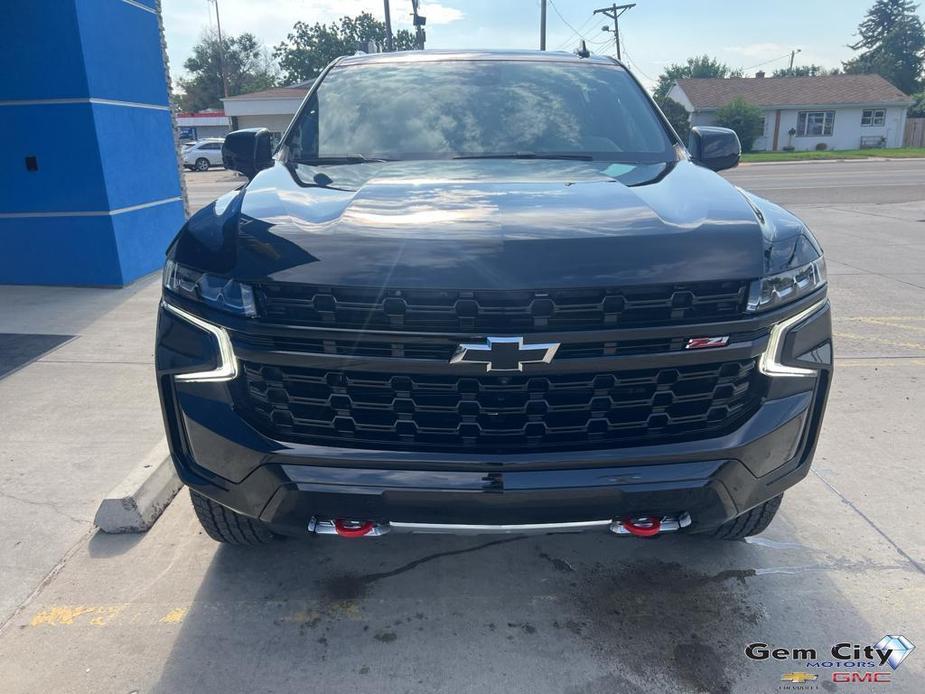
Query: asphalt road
(203,187)
(844,561)
(827,182)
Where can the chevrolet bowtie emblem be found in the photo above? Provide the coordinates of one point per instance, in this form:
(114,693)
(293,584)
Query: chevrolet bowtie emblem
(504,353)
(798,677)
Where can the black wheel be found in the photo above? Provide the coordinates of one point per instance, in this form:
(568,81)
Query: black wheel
(749,523)
(224,525)
(202,164)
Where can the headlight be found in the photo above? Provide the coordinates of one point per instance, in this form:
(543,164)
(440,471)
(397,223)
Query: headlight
(788,286)
(222,293)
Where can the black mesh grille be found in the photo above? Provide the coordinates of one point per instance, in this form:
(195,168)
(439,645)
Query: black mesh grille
(511,311)
(499,413)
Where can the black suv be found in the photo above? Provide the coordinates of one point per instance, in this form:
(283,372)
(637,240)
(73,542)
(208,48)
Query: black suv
(489,292)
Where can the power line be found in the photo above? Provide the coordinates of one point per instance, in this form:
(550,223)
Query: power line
(766,62)
(565,21)
(579,32)
(584,27)
(636,65)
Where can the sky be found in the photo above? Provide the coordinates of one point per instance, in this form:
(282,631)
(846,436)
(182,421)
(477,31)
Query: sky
(746,33)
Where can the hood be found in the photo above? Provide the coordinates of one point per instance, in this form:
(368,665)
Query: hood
(489,224)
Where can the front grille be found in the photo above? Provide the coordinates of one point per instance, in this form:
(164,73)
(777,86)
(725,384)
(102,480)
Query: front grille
(507,311)
(491,413)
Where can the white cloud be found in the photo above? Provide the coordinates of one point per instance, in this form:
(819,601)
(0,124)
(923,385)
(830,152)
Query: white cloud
(184,20)
(760,50)
(440,14)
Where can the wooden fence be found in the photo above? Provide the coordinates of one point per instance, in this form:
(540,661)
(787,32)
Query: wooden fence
(915,133)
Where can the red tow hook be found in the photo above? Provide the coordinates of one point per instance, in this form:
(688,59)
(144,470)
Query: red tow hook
(348,528)
(644,526)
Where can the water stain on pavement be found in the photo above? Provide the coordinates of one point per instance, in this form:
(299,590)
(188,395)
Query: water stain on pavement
(353,586)
(635,612)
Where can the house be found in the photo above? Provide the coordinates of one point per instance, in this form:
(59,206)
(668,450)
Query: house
(837,111)
(270,108)
(198,126)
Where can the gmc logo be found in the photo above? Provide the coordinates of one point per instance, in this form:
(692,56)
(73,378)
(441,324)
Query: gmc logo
(862,677)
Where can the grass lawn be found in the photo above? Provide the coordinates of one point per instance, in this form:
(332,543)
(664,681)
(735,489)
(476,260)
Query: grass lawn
(902,153)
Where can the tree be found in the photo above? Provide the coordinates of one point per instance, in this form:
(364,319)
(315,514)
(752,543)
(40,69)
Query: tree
(892,43)
(701,66)
(805,71)
(308,49)
(678,116)
(917,110)
(248,68)
(745,119)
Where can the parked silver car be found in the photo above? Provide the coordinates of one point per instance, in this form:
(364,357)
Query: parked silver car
(199,156)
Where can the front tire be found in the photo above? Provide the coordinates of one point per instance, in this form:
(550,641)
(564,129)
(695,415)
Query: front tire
(749,523)
(224,525)
(202,164)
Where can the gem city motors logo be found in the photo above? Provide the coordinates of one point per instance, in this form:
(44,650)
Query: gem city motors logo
(850,663)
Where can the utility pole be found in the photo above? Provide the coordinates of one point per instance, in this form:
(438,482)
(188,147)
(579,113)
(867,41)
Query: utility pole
(542,25)
(793,54)
(389,41)
(419,36)
(221,49)
(614,12)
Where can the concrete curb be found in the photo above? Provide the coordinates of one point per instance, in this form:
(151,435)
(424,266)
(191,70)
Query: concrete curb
(136,502)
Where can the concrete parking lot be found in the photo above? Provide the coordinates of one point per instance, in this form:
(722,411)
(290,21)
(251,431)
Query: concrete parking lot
(171,611)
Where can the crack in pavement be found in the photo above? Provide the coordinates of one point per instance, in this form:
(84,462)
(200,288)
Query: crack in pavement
(352,587)
(44,504)
(372,578)
(870,522)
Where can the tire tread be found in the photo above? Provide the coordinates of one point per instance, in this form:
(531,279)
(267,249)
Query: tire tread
(224,525)
(750,523)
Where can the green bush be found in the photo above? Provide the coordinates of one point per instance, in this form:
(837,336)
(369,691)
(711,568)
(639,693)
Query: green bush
(745,119)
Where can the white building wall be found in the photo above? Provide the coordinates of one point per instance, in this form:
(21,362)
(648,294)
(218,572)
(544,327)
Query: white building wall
(275,123)
(846,133)
(239,106)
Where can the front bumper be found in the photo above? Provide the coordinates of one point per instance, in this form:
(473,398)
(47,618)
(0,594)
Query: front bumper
(287,485)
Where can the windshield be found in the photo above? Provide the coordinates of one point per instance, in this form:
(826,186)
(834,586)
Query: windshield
(451,109)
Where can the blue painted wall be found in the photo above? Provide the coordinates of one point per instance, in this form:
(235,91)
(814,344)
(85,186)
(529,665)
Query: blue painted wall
(84,91)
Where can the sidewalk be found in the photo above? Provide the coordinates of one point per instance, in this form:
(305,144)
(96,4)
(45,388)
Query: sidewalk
(74,422)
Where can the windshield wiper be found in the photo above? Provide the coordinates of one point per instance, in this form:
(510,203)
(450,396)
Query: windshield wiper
(526,155)
(345,159)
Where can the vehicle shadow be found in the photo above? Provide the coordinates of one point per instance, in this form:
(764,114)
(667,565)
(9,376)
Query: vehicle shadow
(563,613)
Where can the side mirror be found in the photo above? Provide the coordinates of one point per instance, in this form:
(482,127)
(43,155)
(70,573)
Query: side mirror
(247,151)
(715,148)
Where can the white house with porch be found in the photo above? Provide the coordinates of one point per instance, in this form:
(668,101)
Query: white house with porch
(837,111)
